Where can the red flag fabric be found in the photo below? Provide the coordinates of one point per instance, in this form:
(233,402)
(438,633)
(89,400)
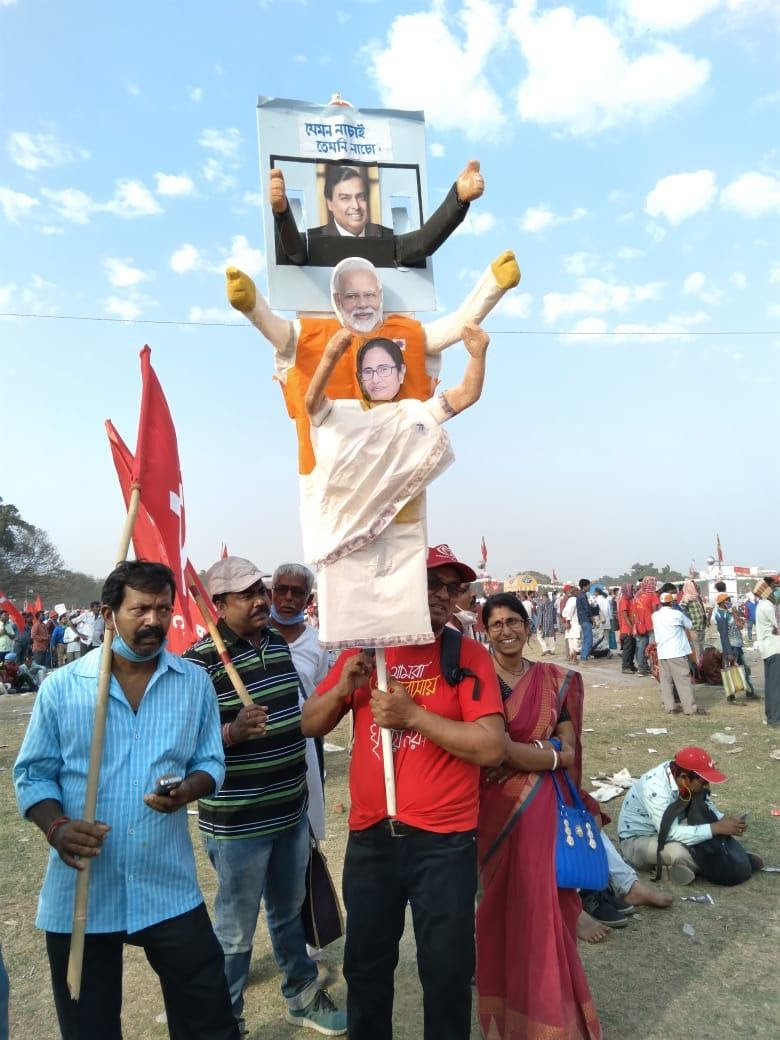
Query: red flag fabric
(159,532)
(13,611)
(483,550)
(224,553)
(37,605)
(720,550)
(554,576)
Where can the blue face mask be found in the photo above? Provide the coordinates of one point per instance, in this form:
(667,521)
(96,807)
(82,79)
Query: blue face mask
(295,620)
(119,646)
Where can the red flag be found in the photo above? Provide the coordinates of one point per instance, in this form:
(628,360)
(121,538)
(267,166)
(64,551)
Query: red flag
(224,551)
(483,550)
(37,605)
(719,549)
(160,529)
(554,576)
(13,611)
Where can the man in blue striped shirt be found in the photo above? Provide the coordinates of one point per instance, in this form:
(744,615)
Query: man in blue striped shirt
(256,829)
(162,720)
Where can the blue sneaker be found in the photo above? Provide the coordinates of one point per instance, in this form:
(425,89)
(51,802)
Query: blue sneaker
(321,1014)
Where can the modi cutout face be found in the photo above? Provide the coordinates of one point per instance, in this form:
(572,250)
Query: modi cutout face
(357,297)
(381,370)
(348,204)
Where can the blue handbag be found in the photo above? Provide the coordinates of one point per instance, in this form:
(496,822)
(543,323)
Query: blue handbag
(580,856)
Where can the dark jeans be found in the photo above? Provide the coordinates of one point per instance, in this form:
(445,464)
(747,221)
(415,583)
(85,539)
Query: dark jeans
(587,639)
(437,875)
(188,960)
(642,643)
(627,649)
(39,657)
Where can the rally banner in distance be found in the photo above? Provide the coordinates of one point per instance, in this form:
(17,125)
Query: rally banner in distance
(354,179)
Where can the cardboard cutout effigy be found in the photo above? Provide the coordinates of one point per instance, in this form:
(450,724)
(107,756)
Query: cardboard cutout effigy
(360,384)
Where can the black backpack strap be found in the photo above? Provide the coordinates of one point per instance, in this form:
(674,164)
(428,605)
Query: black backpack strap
(451,639)
(678,809)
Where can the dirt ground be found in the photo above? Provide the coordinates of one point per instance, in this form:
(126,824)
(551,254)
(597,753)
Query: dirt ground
(650,980)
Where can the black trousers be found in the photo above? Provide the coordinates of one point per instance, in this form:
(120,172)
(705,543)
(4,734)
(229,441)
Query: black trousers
(437,875)
(190,964)
(627,650)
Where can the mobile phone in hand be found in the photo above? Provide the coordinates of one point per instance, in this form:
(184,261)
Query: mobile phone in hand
(166,784)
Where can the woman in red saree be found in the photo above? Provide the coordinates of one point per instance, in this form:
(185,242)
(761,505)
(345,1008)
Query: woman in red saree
(531,984)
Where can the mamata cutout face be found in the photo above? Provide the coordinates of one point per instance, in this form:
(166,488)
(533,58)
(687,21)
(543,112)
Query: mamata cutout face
(380,374)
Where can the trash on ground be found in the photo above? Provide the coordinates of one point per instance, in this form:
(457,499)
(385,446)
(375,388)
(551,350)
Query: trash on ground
(706,899)
(584,731)
(733,750)
(656,732)
(723,738)
(775,754)
(652,751)
(689,930)
(771,870)
(605,792)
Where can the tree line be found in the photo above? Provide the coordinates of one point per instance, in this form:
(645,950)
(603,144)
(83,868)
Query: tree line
(30,565)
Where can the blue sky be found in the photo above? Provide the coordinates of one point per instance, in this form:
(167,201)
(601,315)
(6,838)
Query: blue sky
(630,151)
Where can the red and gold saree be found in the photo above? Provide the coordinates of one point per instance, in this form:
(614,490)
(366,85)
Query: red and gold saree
(530,981)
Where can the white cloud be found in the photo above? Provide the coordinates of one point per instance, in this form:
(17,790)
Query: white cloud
(213,170)
(681,196)
(477,222)
(752,195)
(121,274)
(186,258)
(253,198)
(195,94)
(132,199)
(694,283)
(629,253)
(581,79)
(300,59)
(132,89)
(224,142)
(174,185)
(16,204)
(580,264)
(242,255)
(668,15)
(120,308)
(7,292)
(40,151)
(739,279)
(774,274)
(596,296)
(698,284)
(437,150)
(514,305)
(540,218)
(218,314)
(71,204)
(411,71)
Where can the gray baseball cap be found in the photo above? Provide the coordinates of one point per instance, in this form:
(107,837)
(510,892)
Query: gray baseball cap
(232,574)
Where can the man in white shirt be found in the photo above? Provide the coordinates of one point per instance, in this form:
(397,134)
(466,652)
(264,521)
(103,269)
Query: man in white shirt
(690,772)
(767,591)
(671,629)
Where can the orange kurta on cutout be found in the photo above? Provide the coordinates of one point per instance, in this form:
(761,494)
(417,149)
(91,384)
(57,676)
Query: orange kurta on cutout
(343,384)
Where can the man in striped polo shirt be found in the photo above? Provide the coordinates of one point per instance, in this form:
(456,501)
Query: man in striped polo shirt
(255,829)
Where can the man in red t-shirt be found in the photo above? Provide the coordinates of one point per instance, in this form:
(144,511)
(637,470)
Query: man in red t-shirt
(426,855)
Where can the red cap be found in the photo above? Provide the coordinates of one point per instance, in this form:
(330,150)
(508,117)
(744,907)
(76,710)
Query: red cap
(698,761)
(443,556)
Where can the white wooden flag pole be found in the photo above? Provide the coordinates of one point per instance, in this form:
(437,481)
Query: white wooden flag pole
(387,739)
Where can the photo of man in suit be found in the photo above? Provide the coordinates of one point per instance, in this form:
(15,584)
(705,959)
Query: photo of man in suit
(349,232)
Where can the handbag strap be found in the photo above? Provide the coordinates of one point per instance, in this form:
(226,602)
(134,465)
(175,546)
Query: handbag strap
(575,794)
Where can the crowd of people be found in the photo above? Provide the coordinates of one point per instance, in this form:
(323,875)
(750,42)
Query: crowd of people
(44,641)
(479,734)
